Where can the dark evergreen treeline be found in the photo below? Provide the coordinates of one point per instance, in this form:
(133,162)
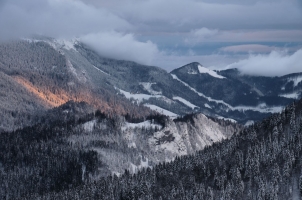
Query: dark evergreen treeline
(39,159)
(262,162)
(42,158)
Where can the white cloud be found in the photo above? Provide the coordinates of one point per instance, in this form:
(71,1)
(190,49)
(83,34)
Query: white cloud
(249,48)
(201,35)
(204,32)
(214,35)
(55,18)
(246,22)
(273,64)
(121,46)
(257,48)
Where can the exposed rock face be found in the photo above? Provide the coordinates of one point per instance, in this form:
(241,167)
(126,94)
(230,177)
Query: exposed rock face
(186,137)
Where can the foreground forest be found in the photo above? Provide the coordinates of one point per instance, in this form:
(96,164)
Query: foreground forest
(261,162)
(73,145)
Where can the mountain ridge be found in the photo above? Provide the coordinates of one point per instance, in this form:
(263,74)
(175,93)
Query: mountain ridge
(73,71)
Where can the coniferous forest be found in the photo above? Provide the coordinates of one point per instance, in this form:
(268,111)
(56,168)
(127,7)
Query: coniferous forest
(263,161)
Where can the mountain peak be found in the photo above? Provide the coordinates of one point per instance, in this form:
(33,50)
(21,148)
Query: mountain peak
(197,68)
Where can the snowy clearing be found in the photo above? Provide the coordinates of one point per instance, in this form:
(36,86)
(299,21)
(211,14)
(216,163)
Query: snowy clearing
(161,110)
(187,103)
(207,106)
(138,97)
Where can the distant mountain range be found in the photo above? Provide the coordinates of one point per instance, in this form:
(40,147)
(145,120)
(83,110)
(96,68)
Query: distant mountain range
(41,73)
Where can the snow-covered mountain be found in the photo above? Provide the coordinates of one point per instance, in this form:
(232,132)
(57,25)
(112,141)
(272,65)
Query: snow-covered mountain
(38,74)
(234,95)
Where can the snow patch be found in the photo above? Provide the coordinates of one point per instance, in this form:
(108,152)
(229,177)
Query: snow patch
(138,97)
(248,123)
(116,173)
(148,86)
(204,70)
(296,80)
(294,95)
(57,44)
(88,126)
(207,106)
(161,110)
(187,103)
(66,44)
(132,145)
(141,97)
(227,119)
(146,124)
(143,164)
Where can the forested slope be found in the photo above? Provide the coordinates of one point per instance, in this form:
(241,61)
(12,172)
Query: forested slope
(73,145)
(262,162)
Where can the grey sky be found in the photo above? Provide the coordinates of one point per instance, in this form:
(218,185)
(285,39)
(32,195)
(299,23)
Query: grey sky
(167,33)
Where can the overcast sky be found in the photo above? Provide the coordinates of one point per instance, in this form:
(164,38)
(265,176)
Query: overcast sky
(261,37)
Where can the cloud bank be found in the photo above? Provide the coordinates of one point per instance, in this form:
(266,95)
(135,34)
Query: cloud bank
(274,64)
(121,46)
(116,28)
(214,35)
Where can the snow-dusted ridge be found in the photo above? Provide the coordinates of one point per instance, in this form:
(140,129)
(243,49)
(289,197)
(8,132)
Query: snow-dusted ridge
(260,108)
(57,43)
